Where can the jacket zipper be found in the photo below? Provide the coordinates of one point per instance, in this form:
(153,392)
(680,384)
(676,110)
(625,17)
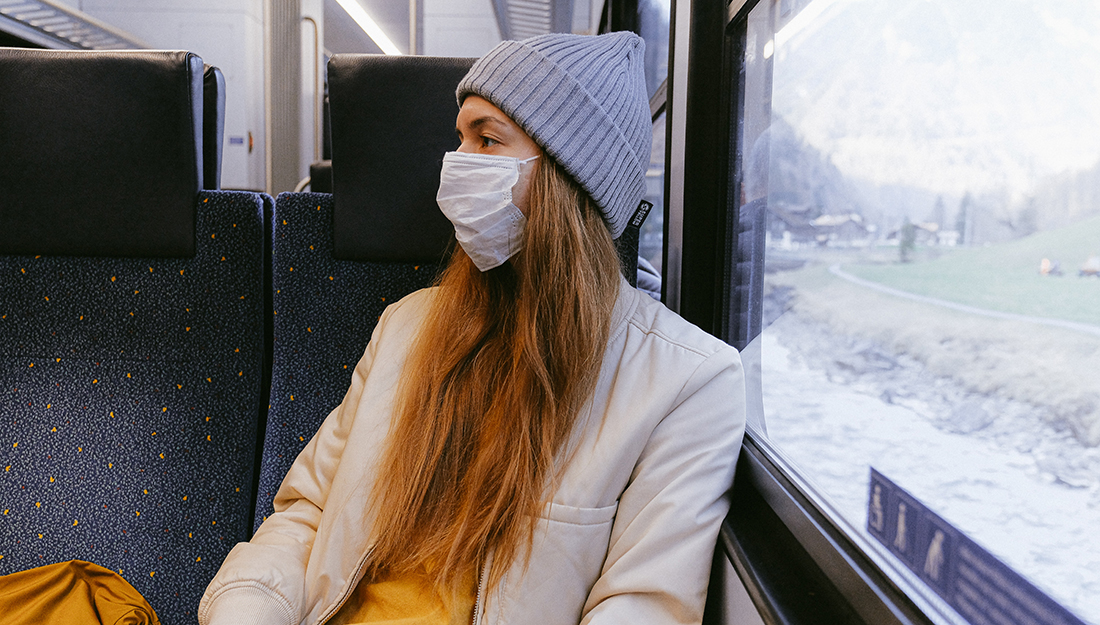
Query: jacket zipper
(482,574)
(355,579)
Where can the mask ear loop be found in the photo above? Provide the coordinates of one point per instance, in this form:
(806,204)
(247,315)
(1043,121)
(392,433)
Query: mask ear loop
(521,169)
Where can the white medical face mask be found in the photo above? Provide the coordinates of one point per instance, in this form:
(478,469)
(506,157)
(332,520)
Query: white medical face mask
(475,193)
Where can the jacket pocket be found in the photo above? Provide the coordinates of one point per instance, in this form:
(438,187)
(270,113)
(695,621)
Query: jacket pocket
(567,554)
(579,516)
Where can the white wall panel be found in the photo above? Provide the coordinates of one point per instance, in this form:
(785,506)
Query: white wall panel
(459,27)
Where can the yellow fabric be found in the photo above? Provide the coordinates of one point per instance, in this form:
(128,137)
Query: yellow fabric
(408,600)
(72,593)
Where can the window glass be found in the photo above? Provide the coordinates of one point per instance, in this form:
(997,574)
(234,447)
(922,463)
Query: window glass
(653,21)
(651,237)
(931,176)
(653,18)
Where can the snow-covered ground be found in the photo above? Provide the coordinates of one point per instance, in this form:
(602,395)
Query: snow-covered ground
(991,466)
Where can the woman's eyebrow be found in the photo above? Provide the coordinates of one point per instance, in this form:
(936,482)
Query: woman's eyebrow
(481,121)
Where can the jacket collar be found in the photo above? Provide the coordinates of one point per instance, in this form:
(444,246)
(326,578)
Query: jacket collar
(625,305)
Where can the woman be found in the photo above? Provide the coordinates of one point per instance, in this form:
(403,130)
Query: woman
(532,440)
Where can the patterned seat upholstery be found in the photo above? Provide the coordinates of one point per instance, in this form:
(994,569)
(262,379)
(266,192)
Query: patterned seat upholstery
(130,382)
(130,397)
(338,260)
(325,311)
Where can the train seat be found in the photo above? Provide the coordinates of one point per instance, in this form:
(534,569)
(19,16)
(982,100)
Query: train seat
(213,126)
(320,176)
(131,325)
(339,259)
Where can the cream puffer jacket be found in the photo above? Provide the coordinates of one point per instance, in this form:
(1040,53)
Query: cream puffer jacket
(627,538)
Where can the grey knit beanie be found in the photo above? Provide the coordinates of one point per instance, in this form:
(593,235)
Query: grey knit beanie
(583,100)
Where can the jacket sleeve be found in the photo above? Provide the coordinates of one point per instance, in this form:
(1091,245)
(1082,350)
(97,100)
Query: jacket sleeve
(262,581)
(663,538)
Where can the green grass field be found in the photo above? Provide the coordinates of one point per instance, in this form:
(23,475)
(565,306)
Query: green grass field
(1006,277)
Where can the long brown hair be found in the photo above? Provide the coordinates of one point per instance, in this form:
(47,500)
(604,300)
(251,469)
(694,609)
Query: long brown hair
(494,382)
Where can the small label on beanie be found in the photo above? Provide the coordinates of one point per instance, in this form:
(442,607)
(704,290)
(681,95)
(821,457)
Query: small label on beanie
(640,214)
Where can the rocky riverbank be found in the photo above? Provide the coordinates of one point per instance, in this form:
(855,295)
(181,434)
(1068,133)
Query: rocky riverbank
(950,403)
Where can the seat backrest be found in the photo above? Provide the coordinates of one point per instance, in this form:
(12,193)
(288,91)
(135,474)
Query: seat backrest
(392,119)
(49,98)
(320,176)
(213,126)
(391,123)
(130,381)
(325,311)
(338,260)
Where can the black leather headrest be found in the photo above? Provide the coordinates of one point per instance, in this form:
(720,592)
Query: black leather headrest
(320,177)
(213,126)
(392,120)
(100,152)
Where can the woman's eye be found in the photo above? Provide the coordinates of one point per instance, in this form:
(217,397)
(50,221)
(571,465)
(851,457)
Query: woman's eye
(487,142)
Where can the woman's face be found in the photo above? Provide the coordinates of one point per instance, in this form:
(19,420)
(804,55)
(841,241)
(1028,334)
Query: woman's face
(484,129)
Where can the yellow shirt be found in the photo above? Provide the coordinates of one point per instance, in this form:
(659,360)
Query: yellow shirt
(408,600)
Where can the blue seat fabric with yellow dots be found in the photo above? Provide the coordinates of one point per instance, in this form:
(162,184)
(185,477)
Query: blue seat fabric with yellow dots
(338,260)
(130,377)
(130,392)
(324,312)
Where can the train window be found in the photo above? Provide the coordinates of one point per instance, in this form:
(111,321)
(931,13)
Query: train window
(653,19)
(653,26)
(930,173)
(651,237)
